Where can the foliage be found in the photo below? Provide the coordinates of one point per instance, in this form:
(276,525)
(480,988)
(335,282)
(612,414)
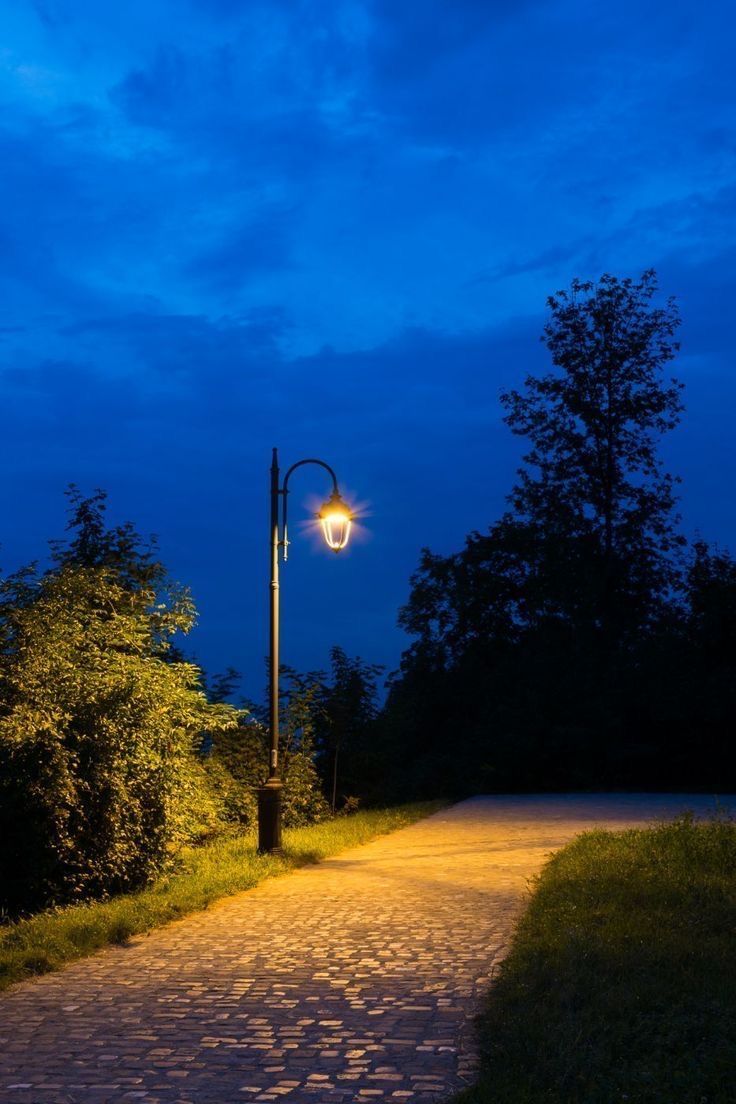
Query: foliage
(303,800)
(567,646)
(236,763)
(588,541)
(98,774)
(327,729)
(592,484)
(621,980)
(344,725)
(225,865)
(237,759)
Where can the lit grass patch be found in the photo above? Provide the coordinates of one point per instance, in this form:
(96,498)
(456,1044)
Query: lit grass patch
(620,987)
(222,867)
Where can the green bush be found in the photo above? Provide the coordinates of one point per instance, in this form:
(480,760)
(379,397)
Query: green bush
(237,764)
(99,779)
(303,800)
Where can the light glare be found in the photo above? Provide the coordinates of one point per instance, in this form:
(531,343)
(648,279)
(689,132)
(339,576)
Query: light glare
(336,519)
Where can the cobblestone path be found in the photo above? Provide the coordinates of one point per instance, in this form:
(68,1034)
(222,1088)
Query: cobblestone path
(356,979)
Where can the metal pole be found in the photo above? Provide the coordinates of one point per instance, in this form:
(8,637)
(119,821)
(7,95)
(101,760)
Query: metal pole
(269,795)
(273,766)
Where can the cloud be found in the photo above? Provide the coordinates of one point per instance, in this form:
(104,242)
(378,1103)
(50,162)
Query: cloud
(548,259)
(264,244)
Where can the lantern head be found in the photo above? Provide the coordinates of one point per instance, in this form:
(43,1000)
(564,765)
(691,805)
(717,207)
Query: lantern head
(336,519)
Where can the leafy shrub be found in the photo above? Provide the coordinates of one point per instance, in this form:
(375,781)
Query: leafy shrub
(99,779)
(238,763)
(303,800)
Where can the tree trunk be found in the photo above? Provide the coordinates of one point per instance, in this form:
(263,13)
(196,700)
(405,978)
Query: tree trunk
(334,777)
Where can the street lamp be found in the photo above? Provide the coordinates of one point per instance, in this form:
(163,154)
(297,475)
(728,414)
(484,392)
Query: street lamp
(336,520)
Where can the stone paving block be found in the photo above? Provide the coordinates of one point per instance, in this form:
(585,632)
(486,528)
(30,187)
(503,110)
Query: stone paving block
(353,980)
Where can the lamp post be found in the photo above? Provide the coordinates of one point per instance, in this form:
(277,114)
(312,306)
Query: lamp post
(336,520)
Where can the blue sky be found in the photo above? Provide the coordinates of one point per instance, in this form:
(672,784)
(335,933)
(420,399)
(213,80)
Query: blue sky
(331,227)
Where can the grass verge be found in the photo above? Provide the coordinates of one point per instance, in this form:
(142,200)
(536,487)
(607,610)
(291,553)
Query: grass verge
(50,939)
(620,985)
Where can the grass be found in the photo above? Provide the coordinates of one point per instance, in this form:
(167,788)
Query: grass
(620,986)
(48,940)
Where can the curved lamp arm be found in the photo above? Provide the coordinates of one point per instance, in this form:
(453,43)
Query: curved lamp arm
(299,463)
(284,490)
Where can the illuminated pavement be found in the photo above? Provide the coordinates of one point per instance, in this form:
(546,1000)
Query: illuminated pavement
(356,979)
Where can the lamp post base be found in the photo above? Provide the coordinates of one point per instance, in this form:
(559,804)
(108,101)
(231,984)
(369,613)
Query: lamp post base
(269,817)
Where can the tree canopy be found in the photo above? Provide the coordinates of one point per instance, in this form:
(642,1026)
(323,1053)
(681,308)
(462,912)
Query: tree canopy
(548,648)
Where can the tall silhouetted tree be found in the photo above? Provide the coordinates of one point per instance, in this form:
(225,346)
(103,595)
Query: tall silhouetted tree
(593,479)
(531,631)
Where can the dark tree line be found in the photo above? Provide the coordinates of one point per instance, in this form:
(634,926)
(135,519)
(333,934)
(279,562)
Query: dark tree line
(579,641)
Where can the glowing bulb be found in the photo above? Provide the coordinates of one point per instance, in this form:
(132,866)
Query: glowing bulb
(336,520)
